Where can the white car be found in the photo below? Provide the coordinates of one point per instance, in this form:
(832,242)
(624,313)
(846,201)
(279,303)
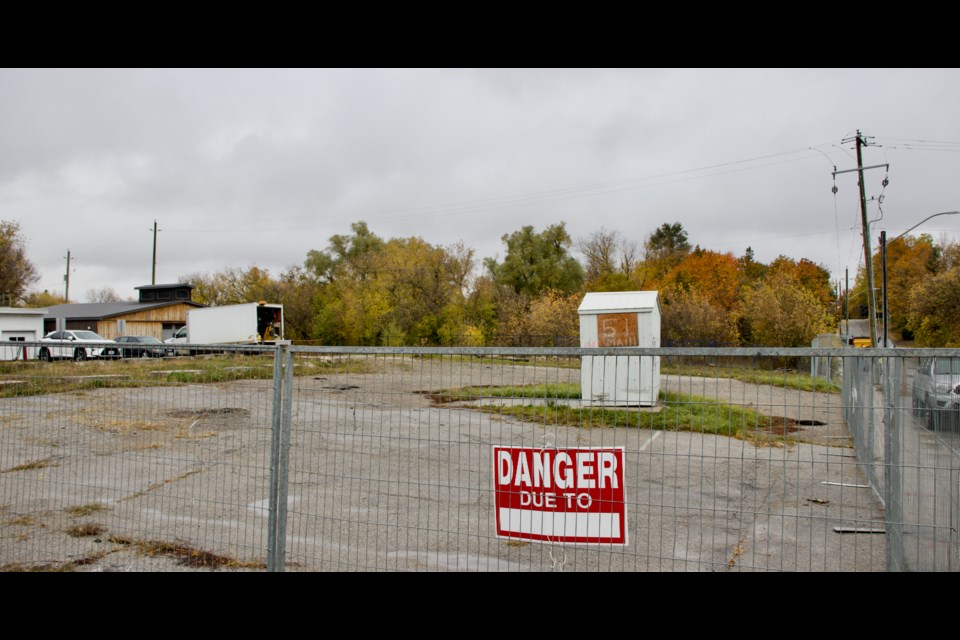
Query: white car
(73,344)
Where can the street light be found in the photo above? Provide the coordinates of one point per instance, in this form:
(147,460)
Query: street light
(883,258)
(945,213)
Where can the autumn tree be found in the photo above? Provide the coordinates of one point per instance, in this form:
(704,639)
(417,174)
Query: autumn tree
(933,313)
(713,275)
(934,310)
(551,320)
(689,318)
(781,312)
(811,276)
(536,262)
(910,262)
(17,273)
(232,285)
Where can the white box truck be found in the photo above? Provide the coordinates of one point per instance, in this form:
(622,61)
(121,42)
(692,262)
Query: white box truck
(249,323)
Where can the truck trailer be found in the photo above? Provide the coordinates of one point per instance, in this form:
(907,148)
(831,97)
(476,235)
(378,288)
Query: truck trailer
(233,324)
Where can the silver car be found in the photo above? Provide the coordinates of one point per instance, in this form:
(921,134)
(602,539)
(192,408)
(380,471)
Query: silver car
(936,391)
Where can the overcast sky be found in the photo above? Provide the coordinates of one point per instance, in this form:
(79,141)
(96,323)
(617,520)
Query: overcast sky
(246,167)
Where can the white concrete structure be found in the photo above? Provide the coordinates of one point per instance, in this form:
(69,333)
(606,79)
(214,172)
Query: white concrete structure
(620,319)
(18,326)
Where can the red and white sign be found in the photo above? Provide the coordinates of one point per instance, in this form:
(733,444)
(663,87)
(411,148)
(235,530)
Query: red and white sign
(560,495)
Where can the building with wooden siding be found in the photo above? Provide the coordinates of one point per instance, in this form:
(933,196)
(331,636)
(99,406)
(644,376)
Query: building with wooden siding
(159,312)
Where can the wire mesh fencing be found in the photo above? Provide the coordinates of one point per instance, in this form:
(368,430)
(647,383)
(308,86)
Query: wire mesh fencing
(490,460)
(907,430)
(137,464)
(474,459)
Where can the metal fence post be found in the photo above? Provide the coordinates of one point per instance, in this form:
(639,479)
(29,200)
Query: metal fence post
(283,459)
(893,464)
(279,447)
(274,458)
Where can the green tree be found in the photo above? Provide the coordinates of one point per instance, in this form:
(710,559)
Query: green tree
(349,256)
(536,262)
(750,270)
(297,291)
(39,299)
(664,249)
(420,281)
(17,273)
(394,292)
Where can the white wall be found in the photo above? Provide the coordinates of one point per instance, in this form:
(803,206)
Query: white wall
(18,326)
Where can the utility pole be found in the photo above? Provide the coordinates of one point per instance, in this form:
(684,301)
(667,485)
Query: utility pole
(846,296)
(883,280)
(153,273)
(867,251)
(66,279)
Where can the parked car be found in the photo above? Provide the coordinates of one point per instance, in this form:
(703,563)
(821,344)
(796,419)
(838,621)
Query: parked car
(75,344)
(955,405)
(936,391)
(142,347)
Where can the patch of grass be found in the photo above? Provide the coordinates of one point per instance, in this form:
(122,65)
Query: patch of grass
(65,567)
(85,530)
(26,466)
(679,412)
(23,521)
(468,394)
(676,412)
(184,554)
(81,510)
(562,362)
(771,377)
(37,378)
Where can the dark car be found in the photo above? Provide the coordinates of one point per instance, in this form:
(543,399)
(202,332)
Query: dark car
(142,347)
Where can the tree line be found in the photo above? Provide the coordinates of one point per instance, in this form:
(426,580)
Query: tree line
(922,291)
(362,289)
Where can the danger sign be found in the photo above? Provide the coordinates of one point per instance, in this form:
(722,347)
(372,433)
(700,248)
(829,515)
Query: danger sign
(560,495)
